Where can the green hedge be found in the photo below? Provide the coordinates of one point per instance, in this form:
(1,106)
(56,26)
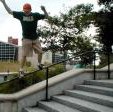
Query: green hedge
(19,84)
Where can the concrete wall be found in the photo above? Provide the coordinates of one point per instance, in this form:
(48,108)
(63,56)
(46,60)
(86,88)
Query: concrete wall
(29,96)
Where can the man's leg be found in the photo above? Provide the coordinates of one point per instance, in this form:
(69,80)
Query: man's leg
(39,58)
(40,65)
(38,50)
(21,71)
(23,60)
(26,50)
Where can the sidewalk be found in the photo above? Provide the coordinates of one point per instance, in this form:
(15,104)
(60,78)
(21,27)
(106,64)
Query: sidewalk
(106,67)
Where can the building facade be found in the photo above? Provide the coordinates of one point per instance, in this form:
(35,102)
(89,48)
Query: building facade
(12,40)
(8,52)
(12,52)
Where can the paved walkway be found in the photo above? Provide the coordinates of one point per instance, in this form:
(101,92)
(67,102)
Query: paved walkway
(106,67)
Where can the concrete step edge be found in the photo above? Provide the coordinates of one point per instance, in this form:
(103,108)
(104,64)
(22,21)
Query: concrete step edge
(103,83)
(33,109)
(89,96)
(95,89)
(81,105)
(53,106)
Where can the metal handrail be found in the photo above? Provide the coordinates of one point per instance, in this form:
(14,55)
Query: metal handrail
(76,55)
(94,55)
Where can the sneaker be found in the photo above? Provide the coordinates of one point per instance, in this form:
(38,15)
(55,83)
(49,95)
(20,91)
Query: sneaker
(21,73)
(40,66)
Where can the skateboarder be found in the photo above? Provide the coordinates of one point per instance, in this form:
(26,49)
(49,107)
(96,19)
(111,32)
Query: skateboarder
(30,41)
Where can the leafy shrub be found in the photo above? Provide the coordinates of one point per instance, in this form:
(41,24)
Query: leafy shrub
(28,80)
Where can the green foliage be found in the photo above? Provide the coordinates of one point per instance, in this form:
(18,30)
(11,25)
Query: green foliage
(104,22)
(104,60)
(81,16)
(55,70)
(66,31)
(28,64)
(105,2)
(33,78)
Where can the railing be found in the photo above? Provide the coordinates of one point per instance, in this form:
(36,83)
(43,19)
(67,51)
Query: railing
(108,62)
(46,70)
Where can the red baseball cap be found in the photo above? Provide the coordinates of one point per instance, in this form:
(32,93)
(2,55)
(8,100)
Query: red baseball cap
(27,6)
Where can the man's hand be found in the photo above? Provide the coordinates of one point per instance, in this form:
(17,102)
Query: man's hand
(2,1)
(42,8)
(6,7)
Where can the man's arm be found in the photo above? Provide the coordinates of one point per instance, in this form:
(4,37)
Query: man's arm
(44,10)
(6,7)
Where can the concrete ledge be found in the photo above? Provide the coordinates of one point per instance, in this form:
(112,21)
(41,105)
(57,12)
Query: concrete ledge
(39,86)
(52,81)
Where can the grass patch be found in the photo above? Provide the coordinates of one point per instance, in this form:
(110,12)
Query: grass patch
(6,66)
(9,66)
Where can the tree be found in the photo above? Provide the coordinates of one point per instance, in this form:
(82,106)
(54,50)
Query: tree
(65,32)
(104,22)
(105,2)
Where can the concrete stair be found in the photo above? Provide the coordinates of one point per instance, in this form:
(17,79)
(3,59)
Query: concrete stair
(54,106)
(33,109)
(92,96)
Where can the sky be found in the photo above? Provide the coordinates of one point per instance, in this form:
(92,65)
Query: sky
(10,26)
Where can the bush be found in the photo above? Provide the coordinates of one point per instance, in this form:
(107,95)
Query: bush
(33,78)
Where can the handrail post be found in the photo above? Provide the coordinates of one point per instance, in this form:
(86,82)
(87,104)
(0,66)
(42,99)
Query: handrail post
(94,65)
(108,65)
(47,83)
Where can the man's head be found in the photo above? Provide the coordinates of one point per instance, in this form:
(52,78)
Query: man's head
(27,8)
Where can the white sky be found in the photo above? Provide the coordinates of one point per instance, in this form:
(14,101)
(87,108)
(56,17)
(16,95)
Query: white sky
(10,26)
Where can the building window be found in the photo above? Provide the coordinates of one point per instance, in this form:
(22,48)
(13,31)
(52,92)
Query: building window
(8,51)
